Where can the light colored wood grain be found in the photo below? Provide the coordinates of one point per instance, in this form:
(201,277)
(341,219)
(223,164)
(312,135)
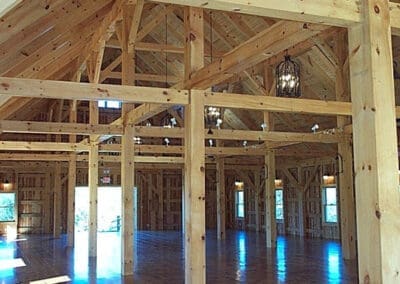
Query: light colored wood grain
(375,145)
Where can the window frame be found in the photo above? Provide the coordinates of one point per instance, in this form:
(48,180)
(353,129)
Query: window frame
(325,205)
(15,213)
(276,205)
(237,204)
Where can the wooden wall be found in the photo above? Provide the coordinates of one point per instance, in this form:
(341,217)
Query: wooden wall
(159,193)
(35,194)
(303,201)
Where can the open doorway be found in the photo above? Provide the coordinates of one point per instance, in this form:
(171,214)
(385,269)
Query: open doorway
(109,209)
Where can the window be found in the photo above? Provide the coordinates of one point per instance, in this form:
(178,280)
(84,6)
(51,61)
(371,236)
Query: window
(7,205)
(109,104)
(239,204)
(329,203)
(279,204)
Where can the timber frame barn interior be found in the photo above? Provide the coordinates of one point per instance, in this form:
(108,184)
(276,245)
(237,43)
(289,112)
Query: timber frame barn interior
(79,79)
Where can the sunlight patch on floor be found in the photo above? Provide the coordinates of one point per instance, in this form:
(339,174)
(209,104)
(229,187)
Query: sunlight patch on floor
(53,280)
(11,263)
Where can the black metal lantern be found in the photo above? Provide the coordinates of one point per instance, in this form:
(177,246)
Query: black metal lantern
(213,117)
(288,79)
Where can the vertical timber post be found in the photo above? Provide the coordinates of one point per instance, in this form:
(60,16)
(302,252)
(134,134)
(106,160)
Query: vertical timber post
(345,157)
(375,145)
(195,242)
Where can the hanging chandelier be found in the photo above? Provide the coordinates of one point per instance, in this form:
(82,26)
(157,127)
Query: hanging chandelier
(213,117)
(288,79)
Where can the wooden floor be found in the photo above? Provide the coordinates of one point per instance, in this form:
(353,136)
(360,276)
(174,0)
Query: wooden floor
(241,258)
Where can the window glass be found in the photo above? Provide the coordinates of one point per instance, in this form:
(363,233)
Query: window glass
(113,104)
(240,204)
(329,202)
(279,204)
(109,104)
(7,205)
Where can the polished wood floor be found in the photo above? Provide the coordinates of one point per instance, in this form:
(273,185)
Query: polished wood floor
(241,258)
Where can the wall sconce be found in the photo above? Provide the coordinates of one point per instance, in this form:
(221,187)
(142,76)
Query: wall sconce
(314,128)
(278,183)
(239,185)
(263,126)
(7,184)
(328,179)
(137,140)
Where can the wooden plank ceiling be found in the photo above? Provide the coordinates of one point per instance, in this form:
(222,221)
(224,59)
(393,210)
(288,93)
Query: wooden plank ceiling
(51,39)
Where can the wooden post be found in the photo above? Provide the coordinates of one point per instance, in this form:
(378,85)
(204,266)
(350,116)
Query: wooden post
(127,208)
(195,255)
(375,145)
(130,24)
(93,70)
(270,221)
(71,200)
(300,212)
(195,260)
(221,200)
(346,189)
(257,187)
(57,201)
(47,203)
(183,202)
(159,187)
(72,173)
(93,186)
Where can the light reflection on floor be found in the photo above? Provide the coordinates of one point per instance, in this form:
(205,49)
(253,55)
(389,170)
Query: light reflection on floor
(332,255)
(7,253)
(281,258)
(108,262)
(241,263)
(242,257)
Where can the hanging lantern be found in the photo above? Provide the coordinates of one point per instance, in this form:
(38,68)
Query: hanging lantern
(213,117)
(288,79)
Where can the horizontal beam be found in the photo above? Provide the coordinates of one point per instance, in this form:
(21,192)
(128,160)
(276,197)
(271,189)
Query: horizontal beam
(228,134)
(29,157)
(162,149)
(342,13)
(33,157)
(12,126)
(89,92)
(137,159)
(276,104)
(148,46)
(143,77)
(84,158)
(43,146)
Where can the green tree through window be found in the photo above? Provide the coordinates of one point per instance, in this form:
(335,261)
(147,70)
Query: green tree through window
(7,204)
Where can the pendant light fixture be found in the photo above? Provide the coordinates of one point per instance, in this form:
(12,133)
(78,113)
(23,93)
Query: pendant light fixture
(288,78)
(213,118)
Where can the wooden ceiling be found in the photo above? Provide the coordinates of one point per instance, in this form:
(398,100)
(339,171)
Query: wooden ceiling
(51,39)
